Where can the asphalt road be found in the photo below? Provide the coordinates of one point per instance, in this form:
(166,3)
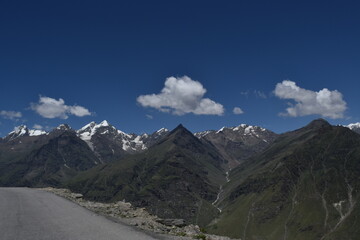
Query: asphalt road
(31,214)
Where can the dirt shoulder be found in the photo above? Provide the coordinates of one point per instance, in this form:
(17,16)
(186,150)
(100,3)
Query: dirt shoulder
(126,213)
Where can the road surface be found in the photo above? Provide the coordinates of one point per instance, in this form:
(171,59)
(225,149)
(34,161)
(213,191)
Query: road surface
(32,214)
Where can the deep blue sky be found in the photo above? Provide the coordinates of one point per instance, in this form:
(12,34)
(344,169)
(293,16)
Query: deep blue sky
(102,55)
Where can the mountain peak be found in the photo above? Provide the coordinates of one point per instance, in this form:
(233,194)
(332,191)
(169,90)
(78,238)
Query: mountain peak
(63,127)
(161,130)
(179,128)
(18,131)
(353,125)
(318,123)
(180,131)
(104,124)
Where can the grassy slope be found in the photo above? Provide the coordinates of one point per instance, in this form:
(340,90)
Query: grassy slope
(50,164)
(289,191)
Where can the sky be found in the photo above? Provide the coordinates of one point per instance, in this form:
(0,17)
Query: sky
(143,65)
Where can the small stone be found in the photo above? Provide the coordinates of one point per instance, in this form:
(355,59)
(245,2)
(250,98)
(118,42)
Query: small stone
(77,195)
(172,222)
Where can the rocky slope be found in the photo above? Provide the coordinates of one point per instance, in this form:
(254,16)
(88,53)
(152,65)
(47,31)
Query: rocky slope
(238,143)
(304,186)
(109,143)
(45,160)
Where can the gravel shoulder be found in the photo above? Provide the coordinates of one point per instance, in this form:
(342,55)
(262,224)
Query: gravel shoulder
(124,213)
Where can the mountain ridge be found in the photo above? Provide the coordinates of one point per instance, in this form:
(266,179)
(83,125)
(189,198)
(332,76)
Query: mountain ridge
(295,188)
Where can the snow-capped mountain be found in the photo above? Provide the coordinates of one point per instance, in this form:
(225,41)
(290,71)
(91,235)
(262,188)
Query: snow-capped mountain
(238,143)
(23,131)
(354,126)
(110,143)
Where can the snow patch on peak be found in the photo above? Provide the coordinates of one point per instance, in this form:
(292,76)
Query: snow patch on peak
(241,126)
(18,131)
(202,134)
(104,124)
(353,125)
(123,133)
(249,129)
(90,125)
(220,130)
(22,130)
(36,132)
(63,127)
(161,130)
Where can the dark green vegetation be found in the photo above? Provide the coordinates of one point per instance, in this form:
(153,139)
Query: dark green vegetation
(45,160)
(304,186)
(177,178)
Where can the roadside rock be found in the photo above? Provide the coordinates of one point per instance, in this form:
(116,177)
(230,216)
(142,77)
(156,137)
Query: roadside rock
(126,213)
(172,222)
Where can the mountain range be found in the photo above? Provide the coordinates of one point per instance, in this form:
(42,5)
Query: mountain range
(245,181)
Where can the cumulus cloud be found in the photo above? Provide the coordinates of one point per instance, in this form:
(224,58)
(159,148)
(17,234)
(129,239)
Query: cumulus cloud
(324,102)
(237,111)
(52,108)
(182,95)
(10,114)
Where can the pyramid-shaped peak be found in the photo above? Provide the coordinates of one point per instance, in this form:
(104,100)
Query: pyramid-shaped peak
(180,129)
(318,123)
(104,124)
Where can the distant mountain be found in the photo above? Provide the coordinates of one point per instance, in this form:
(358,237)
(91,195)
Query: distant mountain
(20,142)
(23,131)
(354,126)
(238,143)
(178,177)
(43,159)
(109,143)
(304,186)
(26,154)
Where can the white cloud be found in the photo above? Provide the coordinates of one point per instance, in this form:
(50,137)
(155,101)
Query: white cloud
(38,127)
(237,111)
(79,111)
(180,96)
(10,114)
(52,108)
(324,102)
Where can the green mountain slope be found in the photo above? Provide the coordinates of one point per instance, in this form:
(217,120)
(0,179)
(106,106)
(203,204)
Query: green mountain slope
(177,178)
(304,186)
(47,164)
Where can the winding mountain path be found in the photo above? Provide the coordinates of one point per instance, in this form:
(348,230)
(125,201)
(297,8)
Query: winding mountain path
(31,214)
